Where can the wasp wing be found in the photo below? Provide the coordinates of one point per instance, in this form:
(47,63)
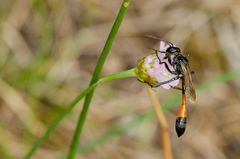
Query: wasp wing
(189,88)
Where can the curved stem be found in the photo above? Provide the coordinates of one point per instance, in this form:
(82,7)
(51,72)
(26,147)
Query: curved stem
(71,105)
(95,77)
(163,124)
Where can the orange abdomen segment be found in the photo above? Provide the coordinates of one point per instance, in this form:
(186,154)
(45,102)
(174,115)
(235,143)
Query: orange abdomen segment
(181,121)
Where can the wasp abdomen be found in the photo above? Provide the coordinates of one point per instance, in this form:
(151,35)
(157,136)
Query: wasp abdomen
(181,123)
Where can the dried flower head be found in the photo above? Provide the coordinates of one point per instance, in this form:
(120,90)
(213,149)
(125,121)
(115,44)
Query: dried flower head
(150,71)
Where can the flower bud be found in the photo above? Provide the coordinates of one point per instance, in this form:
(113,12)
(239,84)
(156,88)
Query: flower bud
(153,71)
(144,69)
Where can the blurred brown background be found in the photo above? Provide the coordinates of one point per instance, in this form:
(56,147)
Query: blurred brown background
(48,51)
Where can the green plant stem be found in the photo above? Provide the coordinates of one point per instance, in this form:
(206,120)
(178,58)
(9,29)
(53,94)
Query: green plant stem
(95,77)
(70,106)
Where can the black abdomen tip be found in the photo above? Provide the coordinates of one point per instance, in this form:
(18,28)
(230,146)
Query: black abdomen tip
(181,123)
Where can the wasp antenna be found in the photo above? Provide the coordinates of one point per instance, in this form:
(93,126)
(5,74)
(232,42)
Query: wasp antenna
(153,49)
(152,37)
(158,38)
(164,52)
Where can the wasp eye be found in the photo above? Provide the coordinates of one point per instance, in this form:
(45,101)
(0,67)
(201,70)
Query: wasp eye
(173,49)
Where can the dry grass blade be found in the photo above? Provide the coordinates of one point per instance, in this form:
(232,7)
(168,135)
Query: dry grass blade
(17,104)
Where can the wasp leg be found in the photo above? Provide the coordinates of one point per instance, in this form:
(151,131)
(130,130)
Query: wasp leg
(163,52)
(157,50)
(168,81)
(168,58)
(166,65)
(177,88)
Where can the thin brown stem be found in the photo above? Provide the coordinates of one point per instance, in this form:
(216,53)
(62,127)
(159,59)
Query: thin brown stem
(163,124)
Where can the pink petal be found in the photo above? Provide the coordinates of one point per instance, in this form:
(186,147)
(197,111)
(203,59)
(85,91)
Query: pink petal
(148,59)
(163,46)
(165,86)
